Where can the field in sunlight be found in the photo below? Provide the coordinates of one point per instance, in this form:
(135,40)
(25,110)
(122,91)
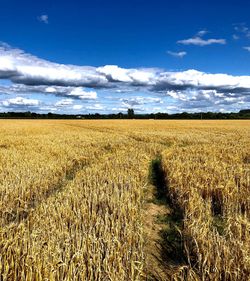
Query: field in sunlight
(124,200)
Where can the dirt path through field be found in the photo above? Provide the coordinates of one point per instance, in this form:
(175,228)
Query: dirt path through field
(155,269)
(162,226)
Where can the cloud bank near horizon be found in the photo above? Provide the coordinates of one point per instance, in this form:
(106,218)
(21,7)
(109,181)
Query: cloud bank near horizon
(190,88)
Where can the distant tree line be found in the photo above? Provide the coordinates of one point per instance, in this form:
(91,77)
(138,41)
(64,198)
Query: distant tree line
(242,114)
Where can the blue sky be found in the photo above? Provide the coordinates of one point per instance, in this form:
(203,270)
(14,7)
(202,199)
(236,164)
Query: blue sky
(107,56)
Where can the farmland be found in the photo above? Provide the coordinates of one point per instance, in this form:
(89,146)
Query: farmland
(124,200)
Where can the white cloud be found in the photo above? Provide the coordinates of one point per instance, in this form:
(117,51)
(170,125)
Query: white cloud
(247,48)
(131,102)
(77,107)
(66,80)
(35,74)
(198,41)
(202,33)
(44,18)
(207,100)
(20,101)
(30,74)
(95,107)
(24,68)
(48,108)
(177,54)
(201,80)
(119,109)
(115,73)
(64,102)
(72,92)
(80,93)
(50,90)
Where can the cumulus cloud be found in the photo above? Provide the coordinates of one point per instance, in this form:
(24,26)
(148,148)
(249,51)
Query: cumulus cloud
(36,75)
(30,74)
(177,54)
(199,41)
(71,92)
(68,104)
(39,75)
(200,80)
(83,95)
(191,100)
(20,101)
(26,69)
(135,77)
(44,18)
(50,90)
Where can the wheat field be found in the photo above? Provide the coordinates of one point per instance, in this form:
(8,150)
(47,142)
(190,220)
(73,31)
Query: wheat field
(124,200)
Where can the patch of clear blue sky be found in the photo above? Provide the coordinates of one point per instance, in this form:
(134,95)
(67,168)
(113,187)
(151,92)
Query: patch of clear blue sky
(5,82)
(131,33)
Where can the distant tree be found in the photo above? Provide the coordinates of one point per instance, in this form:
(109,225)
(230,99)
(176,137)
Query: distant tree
(120,115)
(131,113)
(244,111)
(242,114)
(50,115)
